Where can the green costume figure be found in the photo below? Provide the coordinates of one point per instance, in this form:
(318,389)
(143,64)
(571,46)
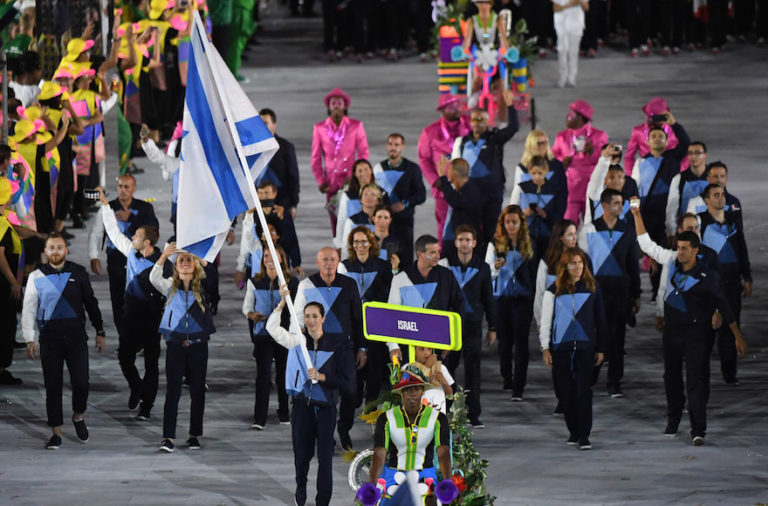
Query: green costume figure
(242,28)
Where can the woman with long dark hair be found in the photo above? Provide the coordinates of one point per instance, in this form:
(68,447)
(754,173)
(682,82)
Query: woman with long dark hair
(315,390)
(186,325)
(511,259)
(262,295)
(573,334)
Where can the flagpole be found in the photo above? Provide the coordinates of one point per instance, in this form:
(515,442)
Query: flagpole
(252,189)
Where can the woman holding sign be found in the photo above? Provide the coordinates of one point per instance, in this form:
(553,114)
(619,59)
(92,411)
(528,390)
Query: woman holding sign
(262,295)
(315,391)
(573,335)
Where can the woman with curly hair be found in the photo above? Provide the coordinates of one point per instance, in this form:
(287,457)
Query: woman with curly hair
(573,334)
(186,326)
(511,257)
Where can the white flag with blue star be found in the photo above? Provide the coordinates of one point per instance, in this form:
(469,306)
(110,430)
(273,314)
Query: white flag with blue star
(225,146)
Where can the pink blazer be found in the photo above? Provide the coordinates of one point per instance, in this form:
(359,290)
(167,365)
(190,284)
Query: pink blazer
(582,164)
(436,141)
(637,147)
(335,149)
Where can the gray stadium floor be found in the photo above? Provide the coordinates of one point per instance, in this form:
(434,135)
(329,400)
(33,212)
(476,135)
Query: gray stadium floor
(721,100)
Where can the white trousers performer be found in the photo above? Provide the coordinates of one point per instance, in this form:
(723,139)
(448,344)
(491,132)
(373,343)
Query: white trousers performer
(568,57)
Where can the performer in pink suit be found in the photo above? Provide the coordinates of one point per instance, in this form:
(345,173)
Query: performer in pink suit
(435,142)
(578,148)
(638,141)
(337,142)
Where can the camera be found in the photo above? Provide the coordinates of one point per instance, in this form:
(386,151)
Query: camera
(659,118)
(617,148)
(91,194)
(634,202)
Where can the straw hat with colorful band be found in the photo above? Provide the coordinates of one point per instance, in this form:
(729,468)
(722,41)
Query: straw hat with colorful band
(411,376)
(76,47)
(26,128)
(49,90)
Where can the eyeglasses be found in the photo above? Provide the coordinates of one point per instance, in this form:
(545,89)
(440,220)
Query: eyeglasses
(477,120)
(695,153)
(360,243)
(542,143)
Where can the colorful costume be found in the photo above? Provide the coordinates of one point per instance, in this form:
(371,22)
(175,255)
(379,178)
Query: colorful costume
(436,141)
(638,146)
(335,149)
(571,143)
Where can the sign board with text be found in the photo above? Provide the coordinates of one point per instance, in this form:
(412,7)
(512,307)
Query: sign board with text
(412,326)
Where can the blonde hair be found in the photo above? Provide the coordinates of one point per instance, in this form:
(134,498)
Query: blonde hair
(531,147)
(196,284)
(501,239)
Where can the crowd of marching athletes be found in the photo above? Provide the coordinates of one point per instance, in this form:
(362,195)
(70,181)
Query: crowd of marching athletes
(585,217)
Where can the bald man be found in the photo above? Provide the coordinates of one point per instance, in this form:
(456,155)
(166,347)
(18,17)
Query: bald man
(343,315)
(131,214)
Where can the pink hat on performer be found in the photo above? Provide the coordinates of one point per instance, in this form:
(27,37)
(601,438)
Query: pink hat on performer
(447,99)
(336,92)
(582,107)
(656,105)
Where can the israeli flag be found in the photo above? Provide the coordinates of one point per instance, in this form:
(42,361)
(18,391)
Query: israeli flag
(225,147)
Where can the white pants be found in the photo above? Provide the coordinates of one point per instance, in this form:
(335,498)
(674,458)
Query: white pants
(568,56)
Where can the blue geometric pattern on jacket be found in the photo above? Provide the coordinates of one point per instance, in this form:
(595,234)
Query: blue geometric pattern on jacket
(417,295)
(296,376)
(566,325)
(326,296)
(601,244)
(51,304)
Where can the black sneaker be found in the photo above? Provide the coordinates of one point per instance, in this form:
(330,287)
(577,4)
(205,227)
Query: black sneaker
(733,382)
(300,497)
(517,397)
(81,429)
(166,446)
(53,443)
(572,440)
(697,441)
(284,418)
(584,444)
(6,378)
(615,392)
(143,415)
(133,400)
(345,440)
(558,409)
(66,235)
(476,423)
(193,443)
(671,430)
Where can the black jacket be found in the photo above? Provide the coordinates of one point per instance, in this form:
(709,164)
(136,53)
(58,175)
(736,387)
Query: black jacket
(692,297)
(408,188)
(466,208)
(491,155)
(727,240)
(474,279)
(63,298)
